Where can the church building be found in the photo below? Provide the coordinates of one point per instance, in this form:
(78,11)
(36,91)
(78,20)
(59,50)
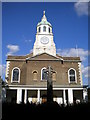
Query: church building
(26,77)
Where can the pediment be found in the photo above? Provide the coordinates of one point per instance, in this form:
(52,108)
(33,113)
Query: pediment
(44,56)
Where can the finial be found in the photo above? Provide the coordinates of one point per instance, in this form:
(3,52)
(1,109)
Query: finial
(44,17)
(44,12)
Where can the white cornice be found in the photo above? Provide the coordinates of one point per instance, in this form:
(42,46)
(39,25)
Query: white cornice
(45,86)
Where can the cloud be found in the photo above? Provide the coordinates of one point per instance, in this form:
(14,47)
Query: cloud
(12,49)
(72,52)
(2,69)
(86,71)
(81,7)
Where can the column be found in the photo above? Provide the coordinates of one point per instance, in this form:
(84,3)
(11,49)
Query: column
(85,95)
(38,96)
(64,97)
(70,96)
(19,96)
(25,96)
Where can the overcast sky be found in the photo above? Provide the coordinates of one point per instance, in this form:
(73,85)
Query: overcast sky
(70,29)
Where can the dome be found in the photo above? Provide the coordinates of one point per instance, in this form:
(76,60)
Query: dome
(44,21)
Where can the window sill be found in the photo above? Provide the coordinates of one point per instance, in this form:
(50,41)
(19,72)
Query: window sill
(73,83)
(15,82)
(43,80)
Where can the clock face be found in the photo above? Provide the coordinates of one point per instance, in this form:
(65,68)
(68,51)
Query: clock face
(44,40)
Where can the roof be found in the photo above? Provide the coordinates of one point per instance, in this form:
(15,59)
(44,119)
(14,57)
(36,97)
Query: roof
(68,58)
(44,21)
(20,57)
(42,56)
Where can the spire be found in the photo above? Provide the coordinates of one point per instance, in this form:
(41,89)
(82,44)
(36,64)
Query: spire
(44,17)
(44,20)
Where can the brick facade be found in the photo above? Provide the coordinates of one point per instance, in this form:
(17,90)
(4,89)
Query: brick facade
(27,66)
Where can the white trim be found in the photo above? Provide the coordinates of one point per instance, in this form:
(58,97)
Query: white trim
(64,96)
(45,86)
(80,73)
(70,96)
(7,68)
(25,96)
(75,76)
(19,96)
(34,88)
(38,95)
(12,75)
(41,72)
(72,60)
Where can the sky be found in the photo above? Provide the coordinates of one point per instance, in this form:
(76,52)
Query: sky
(70,29)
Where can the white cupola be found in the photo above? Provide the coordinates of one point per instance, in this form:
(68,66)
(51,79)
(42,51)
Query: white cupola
(44,38)
(44,27)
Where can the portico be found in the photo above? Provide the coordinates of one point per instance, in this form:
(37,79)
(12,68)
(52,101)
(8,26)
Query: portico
(35,95)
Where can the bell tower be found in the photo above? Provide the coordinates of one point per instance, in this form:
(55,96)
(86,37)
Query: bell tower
(44,38)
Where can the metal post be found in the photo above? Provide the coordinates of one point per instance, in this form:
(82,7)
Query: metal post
(49,72)
(49,86)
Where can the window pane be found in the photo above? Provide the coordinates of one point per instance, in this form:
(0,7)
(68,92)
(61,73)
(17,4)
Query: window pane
(72,72)
(15,75)
(72,78)
(39,29)
(44,29)
(44,75)
(49,30)
(72,75)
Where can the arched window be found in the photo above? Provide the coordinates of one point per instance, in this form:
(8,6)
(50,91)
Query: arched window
(44,28)
(72,75)
(35,75)
(39,29)
(43,74)
(15,74)
(49,29)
